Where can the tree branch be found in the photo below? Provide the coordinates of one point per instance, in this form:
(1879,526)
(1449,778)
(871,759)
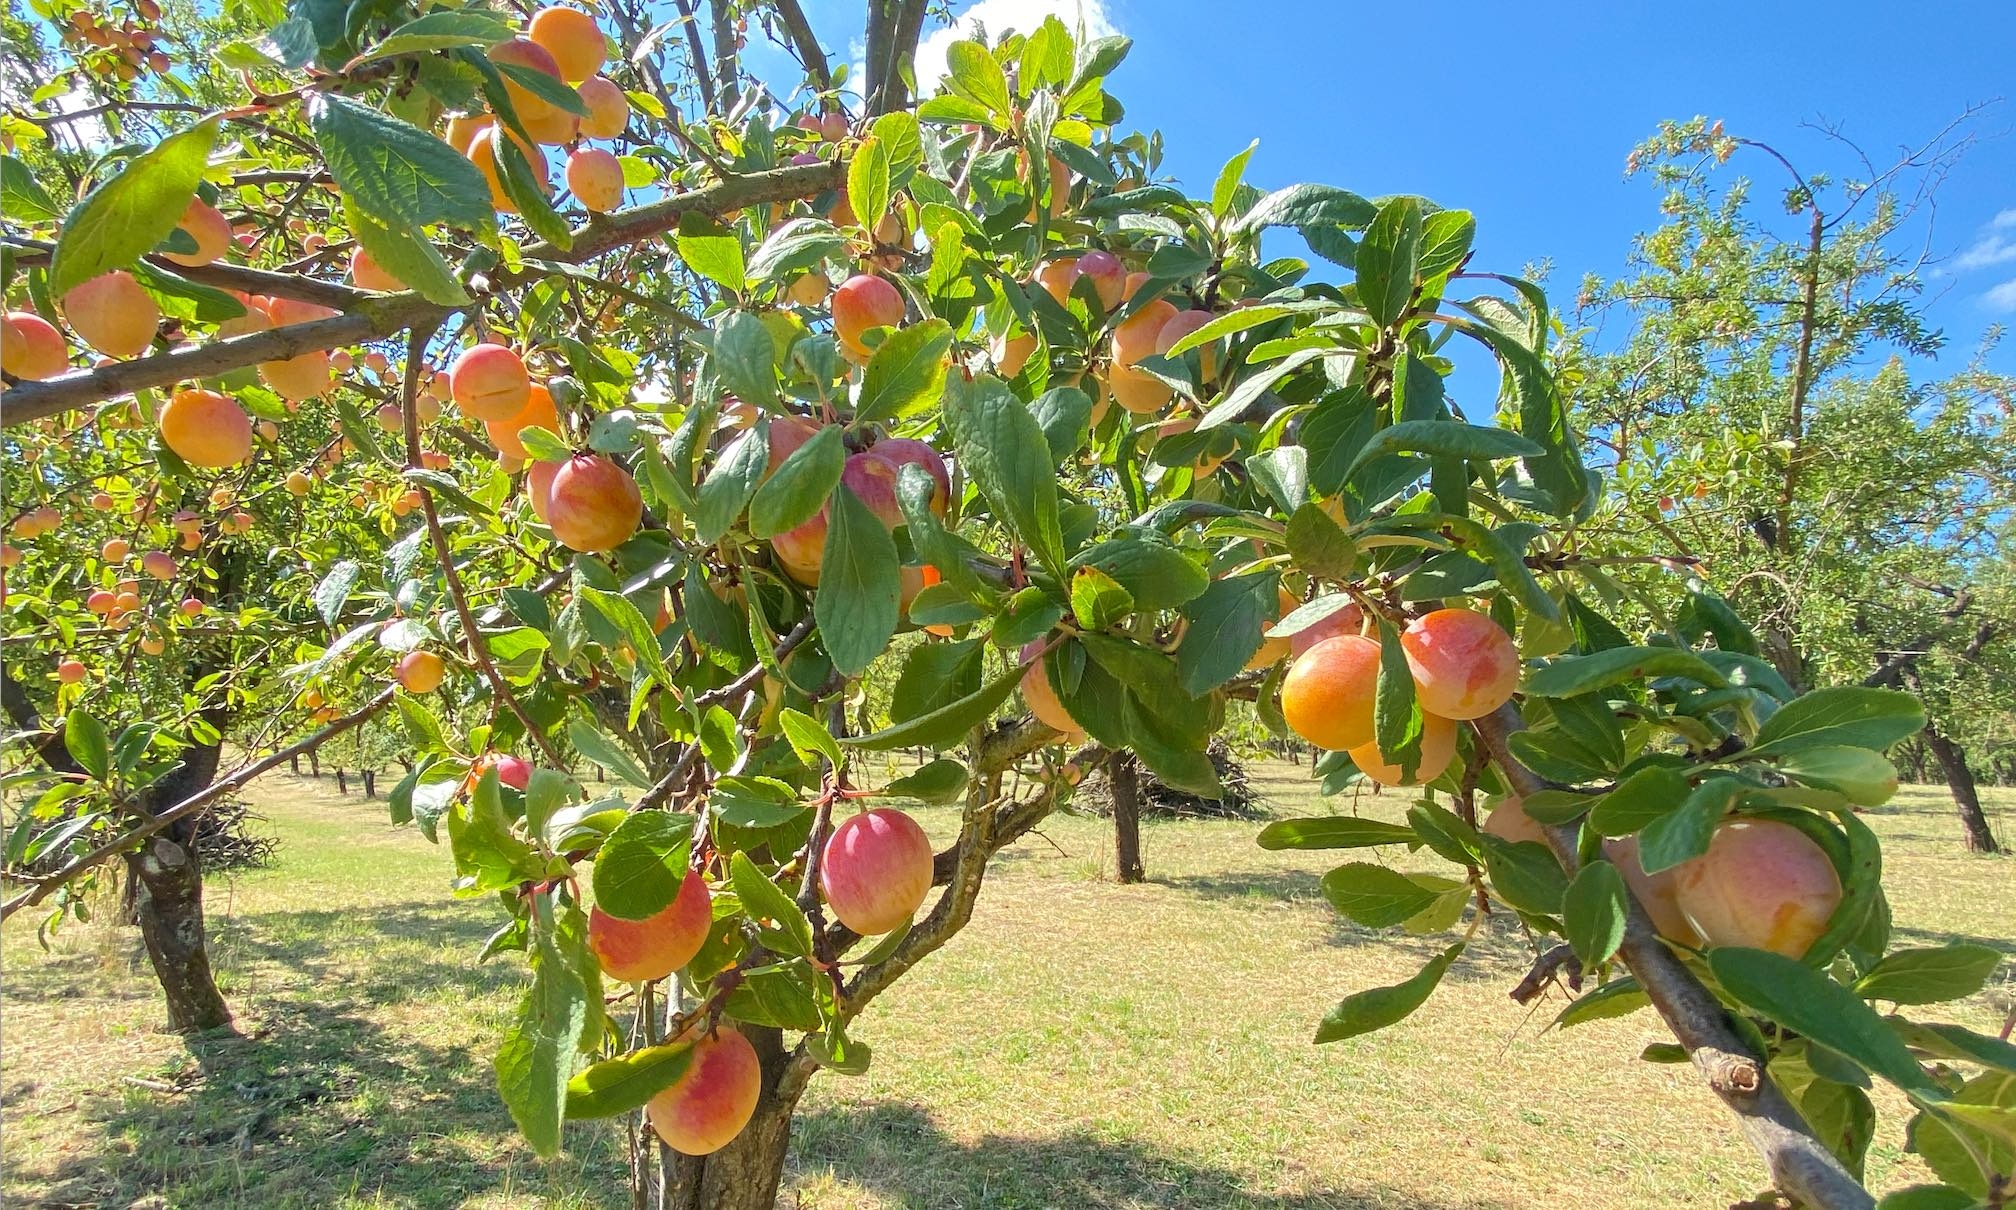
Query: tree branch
(806,43)
(376,317)
(1799,1164)
(47,885)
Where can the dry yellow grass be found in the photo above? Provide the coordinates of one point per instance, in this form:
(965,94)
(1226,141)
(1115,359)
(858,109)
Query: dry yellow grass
(1081,1044)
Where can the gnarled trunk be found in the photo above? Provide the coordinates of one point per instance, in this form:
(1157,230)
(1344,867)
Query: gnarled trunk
(167,886)
(745,1174)
(167,877)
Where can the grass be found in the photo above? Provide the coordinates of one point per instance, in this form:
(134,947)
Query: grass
(1081,1044)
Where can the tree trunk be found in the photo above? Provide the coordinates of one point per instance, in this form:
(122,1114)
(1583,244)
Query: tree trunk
(746,1173)
(1124,782)
(168,879)
(1966,796)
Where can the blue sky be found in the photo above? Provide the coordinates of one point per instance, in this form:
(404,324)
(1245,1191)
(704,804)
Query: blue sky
(1524,113)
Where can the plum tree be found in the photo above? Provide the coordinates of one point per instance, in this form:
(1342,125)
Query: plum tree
(783,530)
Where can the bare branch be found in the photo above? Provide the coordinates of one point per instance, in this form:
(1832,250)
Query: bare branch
(805,43)
(47,885)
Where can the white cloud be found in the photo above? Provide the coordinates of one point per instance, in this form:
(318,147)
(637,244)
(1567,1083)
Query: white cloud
(1086,19)
(2002,297)
(1996,245)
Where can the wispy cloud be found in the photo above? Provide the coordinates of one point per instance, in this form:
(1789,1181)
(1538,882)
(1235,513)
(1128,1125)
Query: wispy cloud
(2002,297)
(1994,246)
(1084,18)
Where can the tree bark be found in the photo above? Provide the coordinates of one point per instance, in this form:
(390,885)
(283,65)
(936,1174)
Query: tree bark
(167,877)
(746,1173)
(1123,780)
(1966,795)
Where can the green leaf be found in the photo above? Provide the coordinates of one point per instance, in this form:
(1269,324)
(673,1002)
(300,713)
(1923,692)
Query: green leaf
(403,251)
(536,1056)
(820,1048)
(1683,833)
(1593,912)
(856,602)
(642,864)
(1928,1197)
(595,744)
(1930,976)
(1445,241)
(1004,452)
(1226,625)
(397,173)
(1396,715)
(543,444)
(441,31)
(88,742)
(1376,1008)
(973,74)
(1319,545)
(1639,799)
(711,249)
(1525,875)
(1810,1003)
(547,88)
(628,619)
(626,1082)
(21,195)
(730,485)
(906,372)
(1375,896)
(1576,674)
(762,900)
(745,357)
(797,246)
(868,182)
(1617,998)
(134,210)
(1227,187)
(332,592)
(808,736)
(1097,600)
(1333,832)
(802,483)
(946,725)
(936,675)
(941,781)
(1307,205)
(1846,716)
(1387,260)
(1442,437)
(1153,570)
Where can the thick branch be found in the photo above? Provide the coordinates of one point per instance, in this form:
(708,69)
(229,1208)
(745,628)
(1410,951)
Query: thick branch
(1800,1165)
(225,276)
(230,783)
(51,748)
(380,316)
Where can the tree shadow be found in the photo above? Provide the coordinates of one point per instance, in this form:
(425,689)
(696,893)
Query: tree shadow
(316,1100)
(896,1150)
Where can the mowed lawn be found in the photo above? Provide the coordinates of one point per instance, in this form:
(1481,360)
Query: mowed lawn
(1081,1044)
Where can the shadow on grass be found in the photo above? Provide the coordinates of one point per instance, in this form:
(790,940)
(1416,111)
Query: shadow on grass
(320,1100)
(897,1151)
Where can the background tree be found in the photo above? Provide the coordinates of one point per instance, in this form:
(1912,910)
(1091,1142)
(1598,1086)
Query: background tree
(1762,418)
